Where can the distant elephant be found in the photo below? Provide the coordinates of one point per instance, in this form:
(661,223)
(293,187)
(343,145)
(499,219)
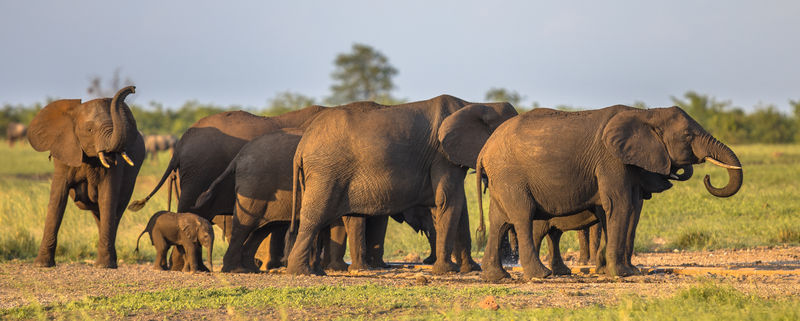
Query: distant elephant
(187,232)
(206,149)
(15,132)
(159,143)
(385,161)
(97,152)
(547,163)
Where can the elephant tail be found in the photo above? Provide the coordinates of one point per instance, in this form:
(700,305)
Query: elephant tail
(480,233)
(172,167)
(297,168)
(208,195)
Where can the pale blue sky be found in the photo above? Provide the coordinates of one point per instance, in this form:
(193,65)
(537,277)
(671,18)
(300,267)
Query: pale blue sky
(581,53)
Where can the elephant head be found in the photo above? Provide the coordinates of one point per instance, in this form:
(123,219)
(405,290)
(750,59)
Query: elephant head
(666,140)
(196,229)
(464,132)
(71,130)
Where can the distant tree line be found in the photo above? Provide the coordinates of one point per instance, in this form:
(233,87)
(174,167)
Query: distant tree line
(366,74)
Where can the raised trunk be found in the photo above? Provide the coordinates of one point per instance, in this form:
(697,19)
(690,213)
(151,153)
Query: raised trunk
(718,151)
(120,122)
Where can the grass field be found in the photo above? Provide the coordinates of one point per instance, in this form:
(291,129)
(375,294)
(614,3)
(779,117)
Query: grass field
(763,213)
(686,217)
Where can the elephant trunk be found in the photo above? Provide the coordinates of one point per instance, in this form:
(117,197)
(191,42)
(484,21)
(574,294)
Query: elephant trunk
(119,134)
(688,171)
(718,154)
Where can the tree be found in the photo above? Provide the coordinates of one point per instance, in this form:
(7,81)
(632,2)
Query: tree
(96,88)
(362,74)
(502,94)
(796,109)
(287,101)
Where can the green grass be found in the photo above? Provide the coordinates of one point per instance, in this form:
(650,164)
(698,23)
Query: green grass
(706,301)
(764,212)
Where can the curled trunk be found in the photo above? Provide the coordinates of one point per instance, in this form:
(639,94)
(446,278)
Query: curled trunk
(119,120)
(718,151)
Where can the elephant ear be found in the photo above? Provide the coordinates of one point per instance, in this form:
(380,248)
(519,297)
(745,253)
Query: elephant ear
(53,129)
(464,132)
(629,137)
(189,228)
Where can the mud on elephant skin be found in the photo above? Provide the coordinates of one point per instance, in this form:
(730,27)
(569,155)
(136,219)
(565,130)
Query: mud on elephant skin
(385,161)
(97,152)
(187,232)
(577,161)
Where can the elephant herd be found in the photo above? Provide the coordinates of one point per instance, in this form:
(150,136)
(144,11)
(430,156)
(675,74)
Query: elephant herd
(309,177)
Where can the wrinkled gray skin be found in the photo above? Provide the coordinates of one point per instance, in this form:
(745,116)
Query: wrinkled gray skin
(385,161)
(187,232)
(159,143)
(548,163)
(15,132)
(89,143)
(206,149)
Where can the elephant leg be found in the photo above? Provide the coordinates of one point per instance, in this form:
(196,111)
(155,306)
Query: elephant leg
(316,259)
(177,259)
(618,220)
(463,246)
(450,202)
(492,264)
(632,236)
(55,214)
(431,236)
(108,196)
(246,216)
(335,246)
(583,240)
(556,261)
(595,232)
(531,264)
(192,251)
(356,233)
(277,242)
(307,232)
(250,248)
(375,237)
(161,246)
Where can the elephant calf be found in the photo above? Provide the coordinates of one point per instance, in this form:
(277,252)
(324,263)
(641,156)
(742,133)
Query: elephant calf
(187,232)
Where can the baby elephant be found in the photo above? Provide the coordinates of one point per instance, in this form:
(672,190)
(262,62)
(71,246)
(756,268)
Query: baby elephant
(187,232)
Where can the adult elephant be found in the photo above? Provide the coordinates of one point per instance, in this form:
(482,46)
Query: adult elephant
(385,161)
(97,152)
(14,132)
(159,143)
(548,163)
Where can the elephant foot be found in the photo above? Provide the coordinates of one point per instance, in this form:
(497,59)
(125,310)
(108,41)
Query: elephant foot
(583,261)
(298,269)
(274,264)
(430,259)
(237,269)
(337,265)
(536,272)
(159,268)
(494,274)
(379,265)
(318,270)
(42,261)
(442,267)
(469,266)
(357,267)
(618,270)
(561,269)
(105,263)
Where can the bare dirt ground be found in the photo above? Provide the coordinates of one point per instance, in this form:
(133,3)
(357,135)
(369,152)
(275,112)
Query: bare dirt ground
(21,283)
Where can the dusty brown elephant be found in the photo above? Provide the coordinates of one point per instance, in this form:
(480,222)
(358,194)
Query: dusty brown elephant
(14,132)
(97,152)
(187,232)
(547,163)
(385,161)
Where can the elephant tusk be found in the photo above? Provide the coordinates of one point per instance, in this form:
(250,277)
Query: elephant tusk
(102,158)
(127,159)
(673,176)
(721,164)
